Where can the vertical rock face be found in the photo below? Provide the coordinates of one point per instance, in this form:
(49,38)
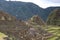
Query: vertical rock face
(54,18)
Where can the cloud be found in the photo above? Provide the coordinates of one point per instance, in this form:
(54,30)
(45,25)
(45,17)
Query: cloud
(43,3)
(55,1)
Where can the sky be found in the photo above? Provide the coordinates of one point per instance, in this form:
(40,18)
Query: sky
(43,3)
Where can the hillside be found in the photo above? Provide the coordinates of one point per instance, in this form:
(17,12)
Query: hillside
(19,30)
(25,10)
(54,17)
(22,9)
(37,20)
(48,11)
(25,20)
(9,25)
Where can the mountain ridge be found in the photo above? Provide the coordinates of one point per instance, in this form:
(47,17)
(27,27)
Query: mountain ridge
(20,31)
(25,10)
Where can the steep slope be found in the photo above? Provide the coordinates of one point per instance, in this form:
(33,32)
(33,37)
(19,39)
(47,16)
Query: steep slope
(6,16)
(22,9)
(19,30)
(37,20)
(10,25)
(25,10)
(47,11)
(54,18)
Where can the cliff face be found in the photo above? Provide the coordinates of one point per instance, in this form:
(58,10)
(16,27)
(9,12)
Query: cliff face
(54,18)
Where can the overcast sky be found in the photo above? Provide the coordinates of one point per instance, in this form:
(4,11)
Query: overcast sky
(43,3)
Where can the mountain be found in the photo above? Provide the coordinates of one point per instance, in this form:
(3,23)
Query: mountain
(47,11)
(6,16)
(36,20)
(25,10)
(22,9)
(54,17)
(9,25)
(19,30)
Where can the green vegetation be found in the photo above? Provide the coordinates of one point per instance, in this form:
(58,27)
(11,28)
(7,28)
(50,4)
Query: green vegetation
(54,18)
(35,28)
(54,24)
(55,30)
(2,35)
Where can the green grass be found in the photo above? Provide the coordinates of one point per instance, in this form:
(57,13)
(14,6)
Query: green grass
(55,30)
(2,35)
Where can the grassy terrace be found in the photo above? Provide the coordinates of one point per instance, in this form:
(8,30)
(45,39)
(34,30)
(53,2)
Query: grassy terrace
(52,29)
(55,30)
(2,36)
